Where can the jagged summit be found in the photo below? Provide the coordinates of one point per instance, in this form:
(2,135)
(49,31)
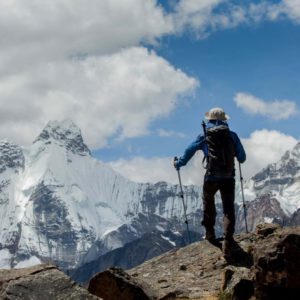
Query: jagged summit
(288,166)
(292,154)
(280,180)
(65,133)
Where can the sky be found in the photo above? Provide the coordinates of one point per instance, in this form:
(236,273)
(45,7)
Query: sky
(137,77)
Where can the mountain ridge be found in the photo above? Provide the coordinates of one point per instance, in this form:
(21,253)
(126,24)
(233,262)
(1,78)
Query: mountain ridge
(60,201)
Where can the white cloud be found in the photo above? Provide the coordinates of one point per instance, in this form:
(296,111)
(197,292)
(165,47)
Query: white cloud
(200,16)
(170,133)
(289,8)
(262,147)
(276,110)
(33,30)
(79,59)
(110,95)
(142,169)
(206,16)
(194,13)
(156,169)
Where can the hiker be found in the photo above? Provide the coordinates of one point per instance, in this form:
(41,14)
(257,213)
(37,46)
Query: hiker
(219,145)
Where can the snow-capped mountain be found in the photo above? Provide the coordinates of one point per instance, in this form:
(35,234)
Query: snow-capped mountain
(59,203)
(282,179)
(273,194)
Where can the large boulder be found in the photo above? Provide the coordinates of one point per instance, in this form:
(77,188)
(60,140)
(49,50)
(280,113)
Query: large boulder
(40,282)
(276,268)
(116,284)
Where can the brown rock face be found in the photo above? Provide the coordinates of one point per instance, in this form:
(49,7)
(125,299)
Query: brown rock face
(40,282)
(265,266)
(276,268)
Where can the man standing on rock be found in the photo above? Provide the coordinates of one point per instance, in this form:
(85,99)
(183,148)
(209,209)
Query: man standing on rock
(219,145)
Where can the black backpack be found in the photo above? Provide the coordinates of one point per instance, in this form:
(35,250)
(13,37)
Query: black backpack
(221,152)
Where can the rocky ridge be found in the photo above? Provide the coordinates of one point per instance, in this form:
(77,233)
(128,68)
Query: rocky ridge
(132,254)
(266,265)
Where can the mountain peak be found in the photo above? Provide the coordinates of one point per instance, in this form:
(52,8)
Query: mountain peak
(281,178)
(296,150)
(65,133)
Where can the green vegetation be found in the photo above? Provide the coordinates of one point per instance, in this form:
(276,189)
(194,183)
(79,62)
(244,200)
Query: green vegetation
(225,295)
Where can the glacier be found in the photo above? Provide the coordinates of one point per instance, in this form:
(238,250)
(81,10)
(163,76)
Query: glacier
(57,200)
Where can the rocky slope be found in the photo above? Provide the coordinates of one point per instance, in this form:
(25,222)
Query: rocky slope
(265,265)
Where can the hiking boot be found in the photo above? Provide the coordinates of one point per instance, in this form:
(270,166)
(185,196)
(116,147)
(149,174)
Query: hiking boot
(210,236)
(228,248)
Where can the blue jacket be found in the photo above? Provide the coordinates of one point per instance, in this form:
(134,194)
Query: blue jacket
(200,144)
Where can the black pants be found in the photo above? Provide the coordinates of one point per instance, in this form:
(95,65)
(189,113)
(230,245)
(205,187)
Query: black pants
(227,190)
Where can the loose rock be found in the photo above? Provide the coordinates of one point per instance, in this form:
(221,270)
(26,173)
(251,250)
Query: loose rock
(40,282)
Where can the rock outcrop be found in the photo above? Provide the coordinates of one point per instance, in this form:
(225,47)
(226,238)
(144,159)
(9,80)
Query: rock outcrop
(266,265)
(40,282)
(276,268)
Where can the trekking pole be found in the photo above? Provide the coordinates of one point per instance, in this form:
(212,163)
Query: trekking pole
(183,203)
(205,157)
(244,205)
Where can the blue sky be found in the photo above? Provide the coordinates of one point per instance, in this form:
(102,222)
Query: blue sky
(262,60)
(137,76)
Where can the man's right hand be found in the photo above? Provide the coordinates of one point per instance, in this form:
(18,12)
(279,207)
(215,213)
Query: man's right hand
(175,161)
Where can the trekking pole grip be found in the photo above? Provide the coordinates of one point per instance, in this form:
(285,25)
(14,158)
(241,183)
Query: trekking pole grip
(174,162)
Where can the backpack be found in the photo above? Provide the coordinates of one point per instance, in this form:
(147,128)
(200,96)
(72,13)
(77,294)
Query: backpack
(221,152)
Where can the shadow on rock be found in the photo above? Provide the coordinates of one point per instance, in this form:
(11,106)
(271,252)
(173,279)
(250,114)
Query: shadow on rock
(217,243)
(239,257)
